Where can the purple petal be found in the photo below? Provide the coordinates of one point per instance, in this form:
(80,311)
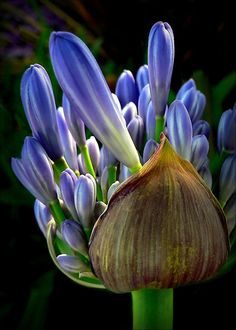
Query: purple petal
(150,122)
(186,86)
(143,102)
(136,131)
(42,215)
(40,109)
(67,141)
(74,122)
(73,234)
(68,181)
(228,179)
(179,129)
(149,149)
(142,78)
(129,112)
(126,88)
(201,127)
(85,199)
(72,264)
(84,85)
(227,131)
(200,148)
(160,64)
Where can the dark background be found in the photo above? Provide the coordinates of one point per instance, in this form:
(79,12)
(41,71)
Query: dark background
(33,294)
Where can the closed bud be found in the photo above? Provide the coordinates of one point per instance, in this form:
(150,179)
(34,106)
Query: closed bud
(142,78)
(73,235)
(129,112)
(126,88)
(162,228)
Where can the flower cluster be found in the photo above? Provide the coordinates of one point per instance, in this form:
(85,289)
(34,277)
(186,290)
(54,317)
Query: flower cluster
(150,197)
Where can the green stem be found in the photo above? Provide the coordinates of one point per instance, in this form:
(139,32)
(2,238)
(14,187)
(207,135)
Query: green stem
(57,212)
(159,127)
(59,166)
(111,174)
(87,160)
(152,309)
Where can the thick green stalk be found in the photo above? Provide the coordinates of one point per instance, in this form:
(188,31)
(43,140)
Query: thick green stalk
(152,309)
(87,160)
(159,127)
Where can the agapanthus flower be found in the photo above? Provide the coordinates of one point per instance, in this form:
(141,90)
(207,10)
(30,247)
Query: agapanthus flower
(118,224)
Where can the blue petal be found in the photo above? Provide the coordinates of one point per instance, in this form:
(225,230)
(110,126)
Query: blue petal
(200,148)
(149,149)
(179,129)
(228,179)
(160,64)
(143,102)
(142,78)
(84,85)
(73,234)
(68,180)
(126,88)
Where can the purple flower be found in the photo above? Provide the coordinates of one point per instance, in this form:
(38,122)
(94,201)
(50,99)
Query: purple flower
(201,127)
(85,199)
(228,179)
(143,102)
(185,87)
(74,122)
(40,109)
(227,131)
(74,236)
(126,88)
(67,141)
(68,181)
(84,85)
(160,64)
(72,264)
(129,112)
(142,78)
(34,170)
(149,149)
(179,128)
(200,148)
(43,215)
(136,131)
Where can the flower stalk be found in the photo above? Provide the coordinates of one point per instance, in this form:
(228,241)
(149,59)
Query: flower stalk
(152,309)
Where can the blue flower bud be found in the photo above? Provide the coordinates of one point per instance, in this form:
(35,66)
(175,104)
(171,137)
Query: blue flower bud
(40,109)
(74,122)
(179,129)
(230,212)
(42,215)
(67,141)
(34,170)
(201,127)
(186,86)
(200,148)
(68,181)
(129,112)
(94,153)
(149,149)
(112,189)
(136,131)
(150,122)
(72,264)
(143,102)
(126,88)
(84,85)
(198,108)
(124,173)
(205,173)
(142,78)
(189,99)
(228,179)
(227,131)
(106,159)
(85,199)
(160,64)
(74,236)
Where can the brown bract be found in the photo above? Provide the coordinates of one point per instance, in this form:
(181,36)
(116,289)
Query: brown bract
(162,228)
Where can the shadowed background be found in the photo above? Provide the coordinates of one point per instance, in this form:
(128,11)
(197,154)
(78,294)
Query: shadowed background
(33,293)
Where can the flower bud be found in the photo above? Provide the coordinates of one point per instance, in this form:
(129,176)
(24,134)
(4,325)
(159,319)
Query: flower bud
(42,215)
(85,199)
(34,170)
(72,264)
(40,109)
(149,149)
(143,102)
(142,78)
(227,131)
(126,88)
(136,131)
(186,86)
(227,179)
(129,112)
(162,228)
(160,64)
(200,148)
(68,180)
(201,127)
(73,235)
